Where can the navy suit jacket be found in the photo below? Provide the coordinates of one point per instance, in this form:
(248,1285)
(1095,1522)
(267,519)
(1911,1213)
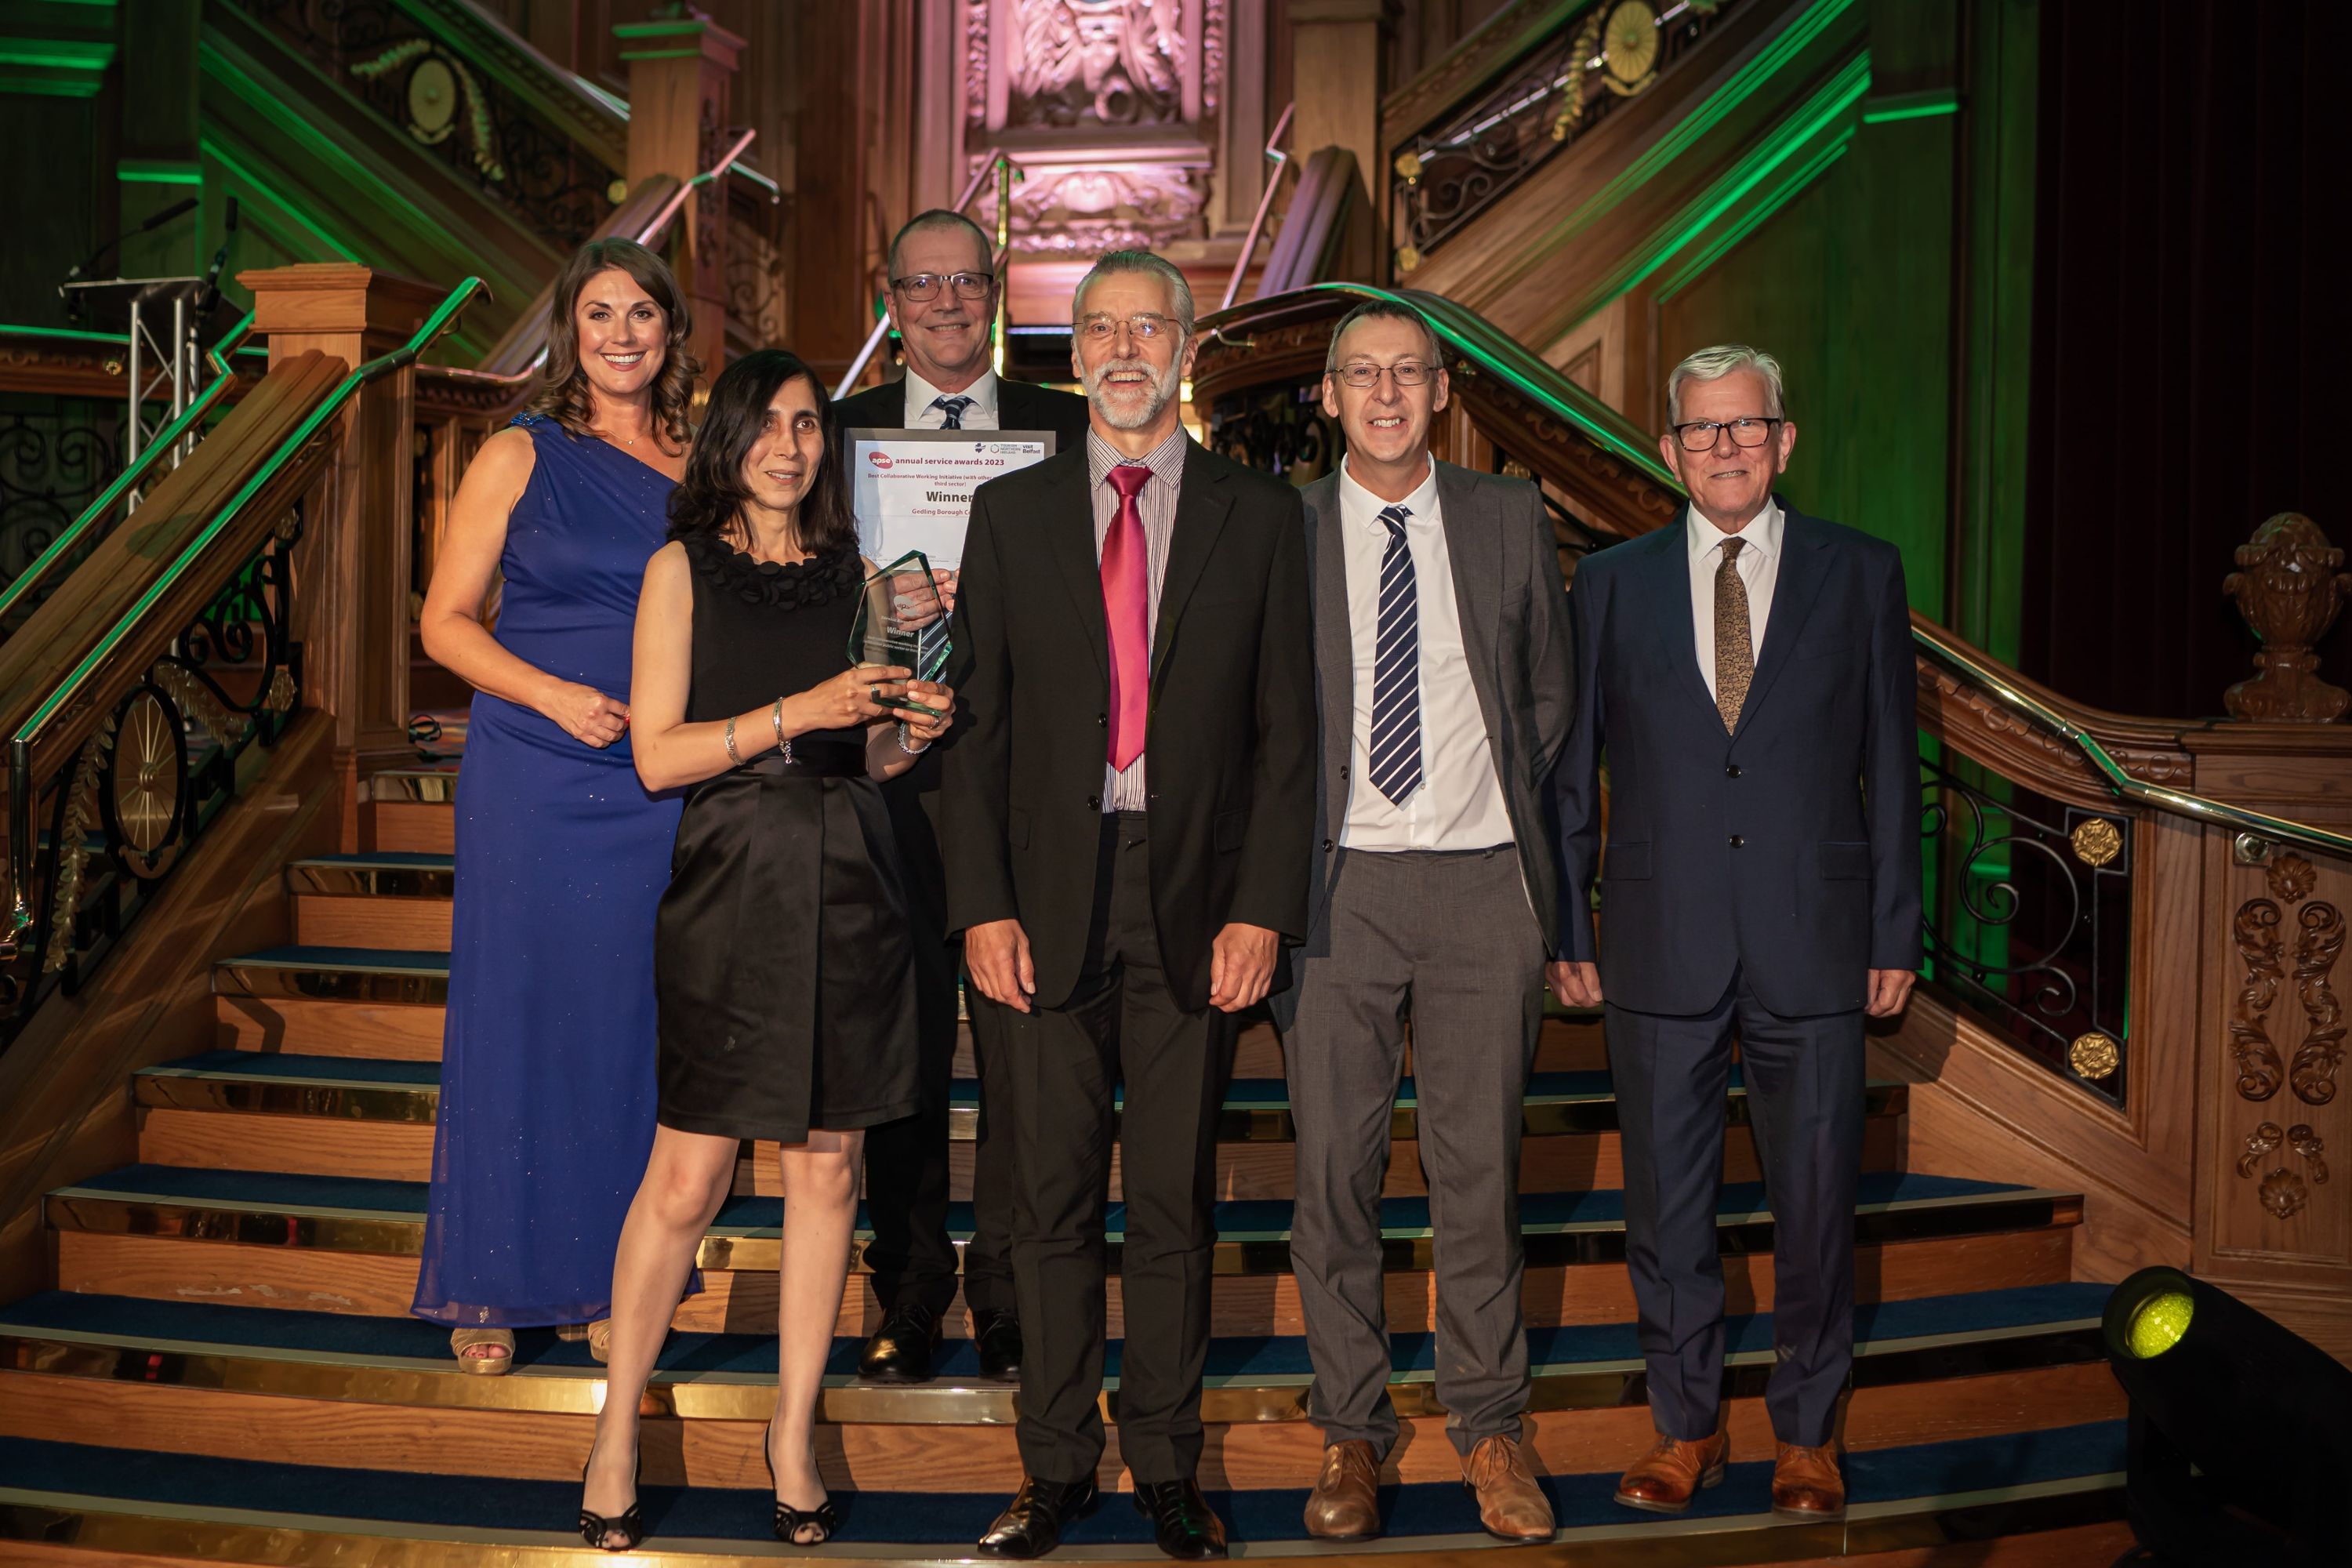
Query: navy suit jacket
(1788,848)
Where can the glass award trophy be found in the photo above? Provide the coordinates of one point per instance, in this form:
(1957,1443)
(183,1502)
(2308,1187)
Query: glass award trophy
(902,620)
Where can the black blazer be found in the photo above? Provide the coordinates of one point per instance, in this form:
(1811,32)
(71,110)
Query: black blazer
(1230,750)
(1020,405)
(1791,848)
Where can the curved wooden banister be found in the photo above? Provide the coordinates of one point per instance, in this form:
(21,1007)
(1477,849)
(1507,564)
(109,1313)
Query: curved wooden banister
(1609,468)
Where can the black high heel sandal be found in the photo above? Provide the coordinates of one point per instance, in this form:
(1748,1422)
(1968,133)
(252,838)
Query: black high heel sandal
(790,1521)
(631,1526)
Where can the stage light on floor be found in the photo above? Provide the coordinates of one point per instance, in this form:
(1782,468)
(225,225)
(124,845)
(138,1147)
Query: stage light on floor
(2241,1432)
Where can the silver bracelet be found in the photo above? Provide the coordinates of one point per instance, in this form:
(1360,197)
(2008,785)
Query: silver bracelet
(732,754)
(912,751)
(776,723)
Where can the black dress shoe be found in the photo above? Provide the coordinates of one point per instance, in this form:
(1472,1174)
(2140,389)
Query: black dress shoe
(997,1337)
(1187,1528)
(1030,1524)
(900,1350)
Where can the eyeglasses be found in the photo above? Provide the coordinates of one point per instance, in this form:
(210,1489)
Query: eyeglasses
(1407,373)
(1698,436)
(1146,327)
(924,286)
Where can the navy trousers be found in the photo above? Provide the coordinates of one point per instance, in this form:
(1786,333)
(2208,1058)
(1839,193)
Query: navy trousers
(1804,1078)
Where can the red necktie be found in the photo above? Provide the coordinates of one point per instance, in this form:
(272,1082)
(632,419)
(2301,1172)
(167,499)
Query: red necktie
(1127,612)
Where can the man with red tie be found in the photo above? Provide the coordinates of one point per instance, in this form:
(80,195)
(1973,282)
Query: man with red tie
(1126,823)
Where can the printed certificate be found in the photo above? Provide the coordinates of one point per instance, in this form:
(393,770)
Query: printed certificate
(911,489)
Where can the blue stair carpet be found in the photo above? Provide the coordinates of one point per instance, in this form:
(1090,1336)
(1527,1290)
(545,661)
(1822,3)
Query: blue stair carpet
(752,1355)
(479,1502)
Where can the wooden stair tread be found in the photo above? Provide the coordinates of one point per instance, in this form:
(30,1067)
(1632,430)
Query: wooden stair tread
(125,1499)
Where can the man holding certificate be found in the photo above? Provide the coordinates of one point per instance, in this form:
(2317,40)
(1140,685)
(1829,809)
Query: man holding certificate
(943,299)
(1126,821)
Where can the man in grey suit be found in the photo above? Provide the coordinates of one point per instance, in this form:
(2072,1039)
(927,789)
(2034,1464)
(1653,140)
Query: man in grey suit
(1443,685)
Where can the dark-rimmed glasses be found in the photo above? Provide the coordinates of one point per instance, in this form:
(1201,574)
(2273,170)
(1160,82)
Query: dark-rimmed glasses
(1698,434)
(923,288)
(1407,371)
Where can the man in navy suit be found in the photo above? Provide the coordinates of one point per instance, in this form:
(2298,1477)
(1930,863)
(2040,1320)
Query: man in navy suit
(1747,676)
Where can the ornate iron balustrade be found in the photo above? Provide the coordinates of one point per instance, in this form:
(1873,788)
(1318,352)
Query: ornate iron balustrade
(56,455)
(2029,919)
(117,817)
(1449,173)
(466,110)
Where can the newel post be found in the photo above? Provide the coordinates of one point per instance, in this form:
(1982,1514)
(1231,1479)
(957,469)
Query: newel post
(2289,586)
(680,71)
(352,573)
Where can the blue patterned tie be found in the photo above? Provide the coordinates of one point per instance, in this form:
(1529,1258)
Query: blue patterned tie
(953,408)
(1396,670)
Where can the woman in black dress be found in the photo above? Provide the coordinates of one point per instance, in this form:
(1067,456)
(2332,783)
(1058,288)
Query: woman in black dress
(782,951)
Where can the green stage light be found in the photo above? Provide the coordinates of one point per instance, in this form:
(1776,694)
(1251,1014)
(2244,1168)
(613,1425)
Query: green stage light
(2158,1324)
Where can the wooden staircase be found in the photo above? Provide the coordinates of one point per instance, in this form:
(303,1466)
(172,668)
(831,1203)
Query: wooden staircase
(226,1369)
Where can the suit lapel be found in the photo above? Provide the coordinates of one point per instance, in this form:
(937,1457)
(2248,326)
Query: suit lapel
(1670,587)
(1202,504)
(1014,409)
(1067,520)
(1335,648)
(1474,549)
(1796,584)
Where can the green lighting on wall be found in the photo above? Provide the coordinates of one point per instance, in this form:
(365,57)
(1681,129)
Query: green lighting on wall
(158,172)
(54,67)
(1925,105)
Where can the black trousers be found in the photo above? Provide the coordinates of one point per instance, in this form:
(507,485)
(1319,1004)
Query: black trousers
(1805,1082)
(1121,1026)
(912,1260)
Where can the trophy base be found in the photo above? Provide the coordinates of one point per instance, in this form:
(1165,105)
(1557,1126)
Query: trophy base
(906,705)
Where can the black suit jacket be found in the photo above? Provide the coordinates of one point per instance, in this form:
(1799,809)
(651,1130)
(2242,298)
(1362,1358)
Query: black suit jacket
(1020,405)
(1230,749)
(1789,847)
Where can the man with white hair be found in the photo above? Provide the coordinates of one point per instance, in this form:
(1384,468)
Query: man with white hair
(1746,675)
(1126,822)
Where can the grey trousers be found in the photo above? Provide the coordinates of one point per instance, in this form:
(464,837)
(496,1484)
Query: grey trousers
(1449,941)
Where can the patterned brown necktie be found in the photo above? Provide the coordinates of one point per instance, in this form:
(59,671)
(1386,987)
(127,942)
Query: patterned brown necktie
(1735,656)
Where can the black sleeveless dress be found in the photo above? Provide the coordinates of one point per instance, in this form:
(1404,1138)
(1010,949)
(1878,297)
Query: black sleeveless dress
(782,952)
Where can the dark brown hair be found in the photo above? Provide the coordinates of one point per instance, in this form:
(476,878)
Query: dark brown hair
(563,389)
(706,500)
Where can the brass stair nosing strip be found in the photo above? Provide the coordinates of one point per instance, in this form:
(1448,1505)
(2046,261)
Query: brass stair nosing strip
(290,1540)
(758,1248)
(421,884)
(436,1384)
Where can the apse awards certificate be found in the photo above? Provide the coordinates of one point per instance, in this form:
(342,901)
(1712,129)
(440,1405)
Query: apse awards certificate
(911,489)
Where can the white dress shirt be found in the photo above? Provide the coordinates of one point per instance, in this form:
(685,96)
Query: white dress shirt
(981,416)
(1459,803)
(1759,567)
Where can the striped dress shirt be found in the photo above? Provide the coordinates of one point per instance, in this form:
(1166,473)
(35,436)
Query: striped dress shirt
(1124,790)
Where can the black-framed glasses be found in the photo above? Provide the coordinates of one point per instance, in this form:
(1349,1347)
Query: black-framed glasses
(923,288)
(1145,326)
(1698,434)
(1406,372)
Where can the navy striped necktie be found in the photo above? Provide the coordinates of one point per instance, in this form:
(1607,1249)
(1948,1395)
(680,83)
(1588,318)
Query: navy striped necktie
(1396,670)
(953,408)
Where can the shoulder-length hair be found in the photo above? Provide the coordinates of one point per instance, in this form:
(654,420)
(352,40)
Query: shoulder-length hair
(707,499)
(562,392)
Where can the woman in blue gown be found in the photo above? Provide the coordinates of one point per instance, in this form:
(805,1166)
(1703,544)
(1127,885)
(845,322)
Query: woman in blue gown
(547,1075)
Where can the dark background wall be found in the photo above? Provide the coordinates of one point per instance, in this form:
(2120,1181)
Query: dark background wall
(2187,379)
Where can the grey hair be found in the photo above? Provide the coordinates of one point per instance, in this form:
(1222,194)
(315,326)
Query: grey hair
(940,217)
(1714,365)
(1179,291)
(1384,310)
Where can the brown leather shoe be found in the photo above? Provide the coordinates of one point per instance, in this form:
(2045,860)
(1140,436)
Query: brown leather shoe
(1664,1479)
(1806,1483)
(1345,1504)
(1511,1507)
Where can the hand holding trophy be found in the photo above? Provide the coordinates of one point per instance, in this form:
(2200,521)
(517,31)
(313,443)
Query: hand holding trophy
(902,619)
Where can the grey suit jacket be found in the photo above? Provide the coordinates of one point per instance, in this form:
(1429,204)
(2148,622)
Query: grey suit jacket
(1514,629)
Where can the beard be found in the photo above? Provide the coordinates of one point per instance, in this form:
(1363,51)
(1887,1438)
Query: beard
(1161,391)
